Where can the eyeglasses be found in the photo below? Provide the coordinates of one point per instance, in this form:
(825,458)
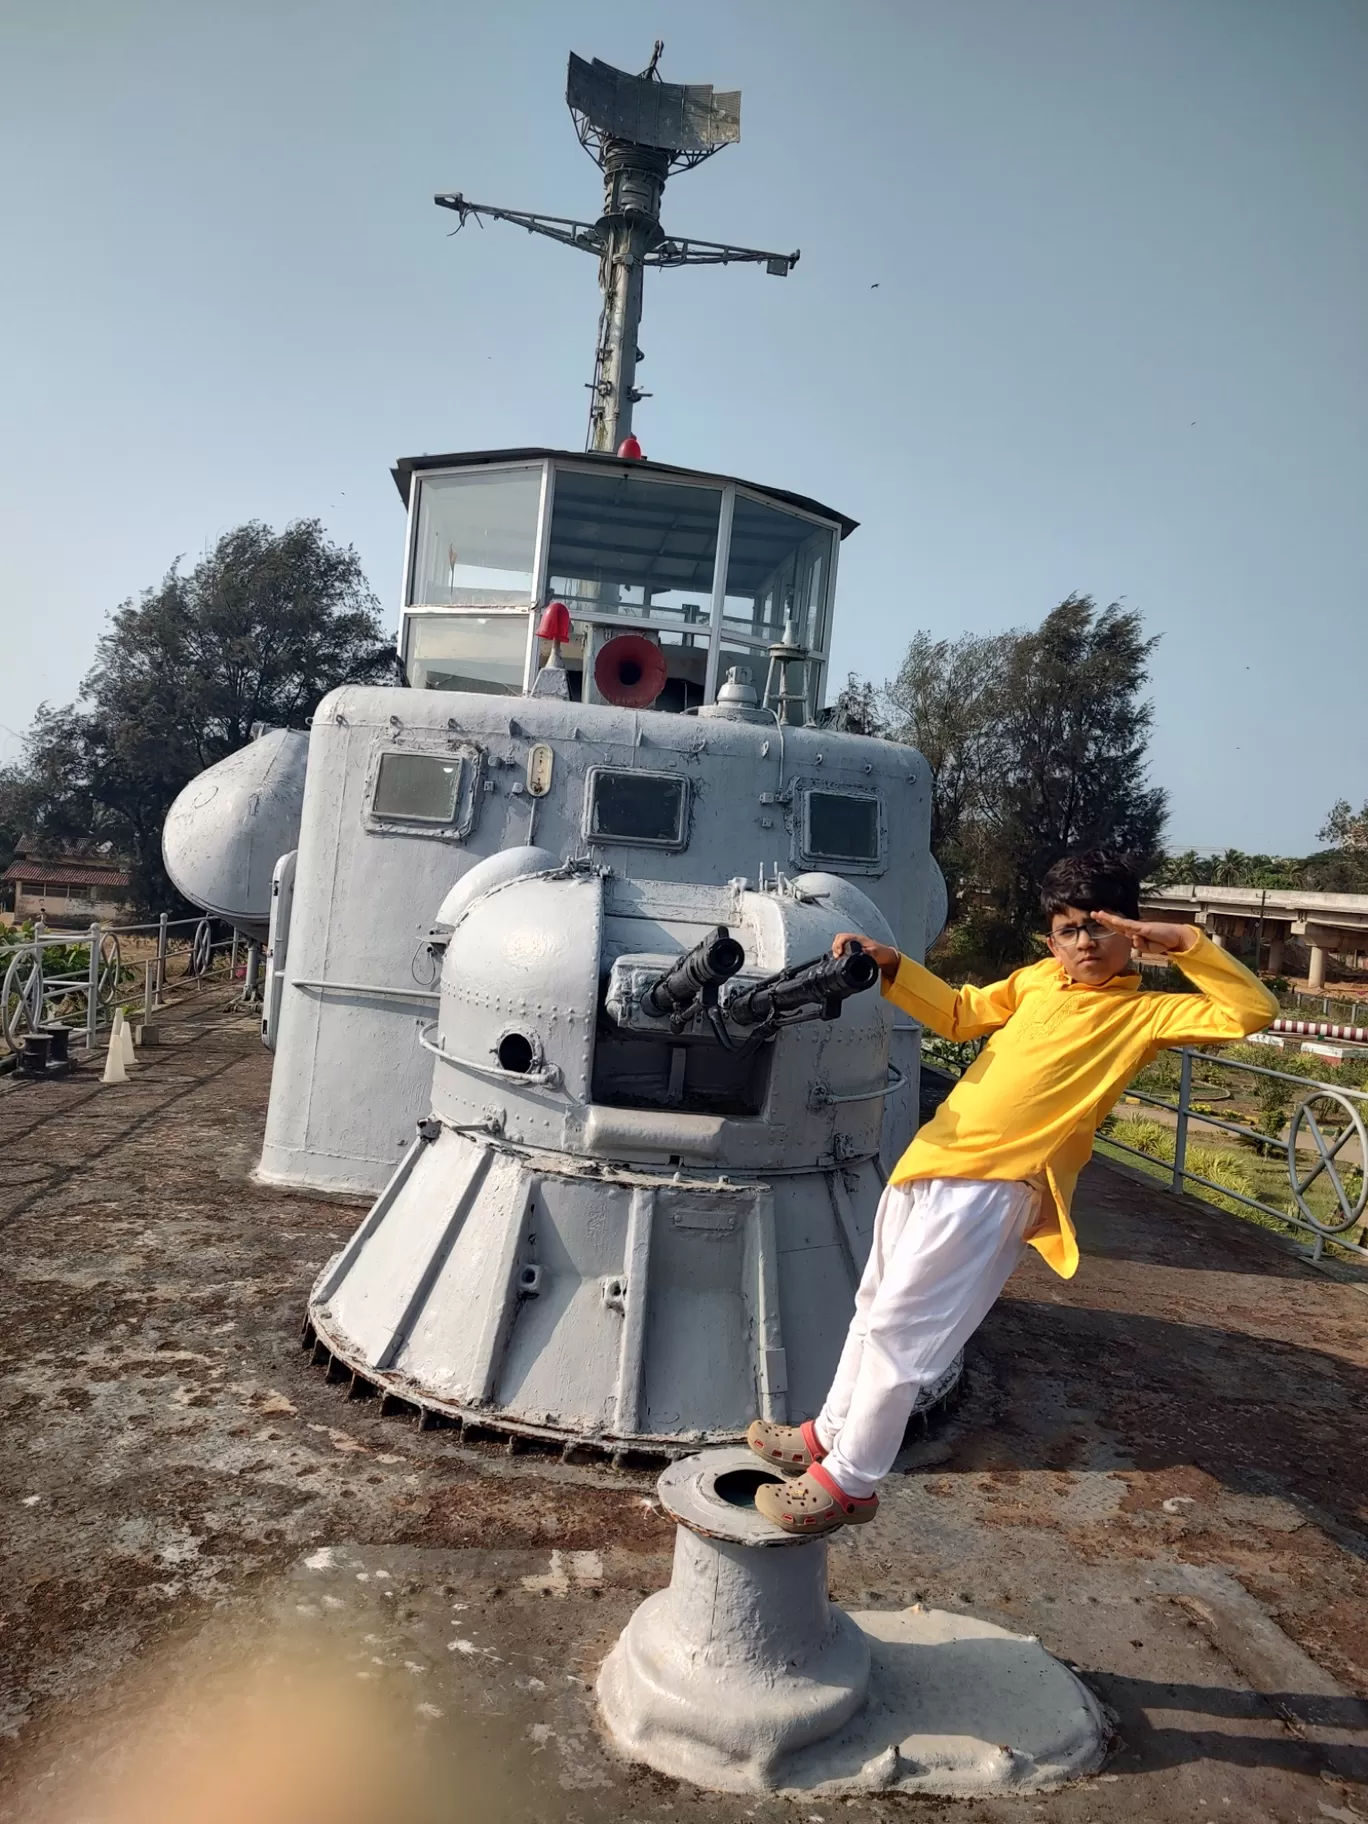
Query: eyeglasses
(1072,934)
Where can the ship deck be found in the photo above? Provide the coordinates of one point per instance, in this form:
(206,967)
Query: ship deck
(1160,1468)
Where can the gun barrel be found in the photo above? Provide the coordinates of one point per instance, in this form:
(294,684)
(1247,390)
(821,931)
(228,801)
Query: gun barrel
(712,961)
(824,983)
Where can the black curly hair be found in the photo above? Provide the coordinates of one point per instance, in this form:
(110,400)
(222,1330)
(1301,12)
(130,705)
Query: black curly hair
(1094,880)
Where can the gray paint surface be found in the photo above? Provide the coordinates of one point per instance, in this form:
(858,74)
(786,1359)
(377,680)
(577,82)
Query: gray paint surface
(227,830)
(743,1676)
(359,983)
(568,1252)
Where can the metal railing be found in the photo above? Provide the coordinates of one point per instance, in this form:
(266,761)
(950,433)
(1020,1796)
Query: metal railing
(1321,1153)
(33,996)
(1321,1158)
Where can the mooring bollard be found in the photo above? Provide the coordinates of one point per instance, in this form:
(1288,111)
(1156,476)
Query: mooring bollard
(743,1676)
(743,1659)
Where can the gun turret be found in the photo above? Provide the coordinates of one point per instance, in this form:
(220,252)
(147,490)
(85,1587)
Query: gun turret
(808,991)
(697,975)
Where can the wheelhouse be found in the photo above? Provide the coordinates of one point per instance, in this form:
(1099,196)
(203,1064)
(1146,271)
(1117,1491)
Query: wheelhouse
(708,568)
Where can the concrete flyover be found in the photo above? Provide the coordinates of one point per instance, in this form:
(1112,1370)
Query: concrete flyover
(1324,923)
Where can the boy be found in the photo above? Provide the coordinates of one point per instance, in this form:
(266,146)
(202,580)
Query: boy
(996,1165)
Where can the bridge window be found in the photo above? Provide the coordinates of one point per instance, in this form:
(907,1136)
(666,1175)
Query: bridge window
(624,546)
(417,788)
(476,538)
(841,827)
(646,808)
(480,652)
(778,569)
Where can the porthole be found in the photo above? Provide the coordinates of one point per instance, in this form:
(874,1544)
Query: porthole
(516,1053)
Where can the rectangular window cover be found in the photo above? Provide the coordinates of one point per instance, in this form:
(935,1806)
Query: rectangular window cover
(638,807)
(842,827)
(417,788)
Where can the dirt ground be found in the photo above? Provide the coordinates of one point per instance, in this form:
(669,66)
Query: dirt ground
(1160,1467)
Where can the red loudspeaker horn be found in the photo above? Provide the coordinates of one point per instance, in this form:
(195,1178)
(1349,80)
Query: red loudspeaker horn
(630,671)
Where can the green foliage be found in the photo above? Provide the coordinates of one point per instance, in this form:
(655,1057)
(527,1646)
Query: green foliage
(258,631)
(857,710)
(1342,868)
(1337,871)
(1345,828)
(946,702)
(1231,869)
(1352,1072)
(1035,740)
(58,959)
(1217,1164)
(1075,730)
(1223,1168)
(953,1055)
(1149,1137)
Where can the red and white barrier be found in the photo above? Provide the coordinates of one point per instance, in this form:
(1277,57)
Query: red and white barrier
(1322,1029)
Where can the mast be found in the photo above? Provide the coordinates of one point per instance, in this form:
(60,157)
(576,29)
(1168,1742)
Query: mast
(638,130)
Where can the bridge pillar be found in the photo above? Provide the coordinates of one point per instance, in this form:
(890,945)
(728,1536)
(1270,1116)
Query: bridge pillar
(1315,977)
(1275,953)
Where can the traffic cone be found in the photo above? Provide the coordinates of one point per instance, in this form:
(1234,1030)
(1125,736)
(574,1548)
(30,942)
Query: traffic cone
(114,1071)
(126,1040)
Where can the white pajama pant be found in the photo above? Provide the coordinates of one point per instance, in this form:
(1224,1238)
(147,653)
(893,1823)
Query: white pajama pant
(943,1249)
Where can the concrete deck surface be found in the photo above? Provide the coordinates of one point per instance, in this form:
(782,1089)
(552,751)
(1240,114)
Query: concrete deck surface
(1161,1468)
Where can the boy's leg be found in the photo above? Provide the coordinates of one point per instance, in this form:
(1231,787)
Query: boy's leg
(895,1206)
(939,1281)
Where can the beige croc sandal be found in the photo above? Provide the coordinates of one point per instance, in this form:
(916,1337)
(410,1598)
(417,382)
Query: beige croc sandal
(788,1448)
(813,1504)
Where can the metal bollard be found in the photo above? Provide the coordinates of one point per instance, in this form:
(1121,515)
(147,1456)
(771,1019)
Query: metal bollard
(249,986)
(743,1676)
(93,990)
(161,958)
(1180,1132)
(147,993)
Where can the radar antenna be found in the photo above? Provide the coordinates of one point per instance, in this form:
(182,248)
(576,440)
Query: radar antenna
(638,130)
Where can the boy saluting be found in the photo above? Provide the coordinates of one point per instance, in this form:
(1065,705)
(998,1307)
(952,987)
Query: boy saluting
(995,1167)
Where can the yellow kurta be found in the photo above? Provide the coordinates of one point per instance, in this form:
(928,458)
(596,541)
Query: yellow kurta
(1060,1055)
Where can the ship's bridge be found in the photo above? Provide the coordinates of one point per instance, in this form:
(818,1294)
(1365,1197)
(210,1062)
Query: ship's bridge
(708,568)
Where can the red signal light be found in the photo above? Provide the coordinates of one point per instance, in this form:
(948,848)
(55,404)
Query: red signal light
(554,623)
(630,450)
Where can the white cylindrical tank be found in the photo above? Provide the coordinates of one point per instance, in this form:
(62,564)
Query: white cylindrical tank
(230,826)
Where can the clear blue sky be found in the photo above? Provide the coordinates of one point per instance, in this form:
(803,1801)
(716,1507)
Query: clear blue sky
(1117,343)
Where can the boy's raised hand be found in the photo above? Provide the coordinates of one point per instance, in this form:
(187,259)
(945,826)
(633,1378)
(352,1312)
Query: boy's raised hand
(884,955)
(1149,938)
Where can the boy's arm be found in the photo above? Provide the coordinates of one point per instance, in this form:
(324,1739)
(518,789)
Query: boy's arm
(954,1013)
(1232,1003)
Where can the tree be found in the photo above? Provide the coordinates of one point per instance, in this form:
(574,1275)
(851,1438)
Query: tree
(857,709)
(945,701)
(1036,744)
(256,632)
(1233,868)
(1073,730)
(1345,828)
(1342,868)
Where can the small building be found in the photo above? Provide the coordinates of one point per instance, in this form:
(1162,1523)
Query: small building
(68,889)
